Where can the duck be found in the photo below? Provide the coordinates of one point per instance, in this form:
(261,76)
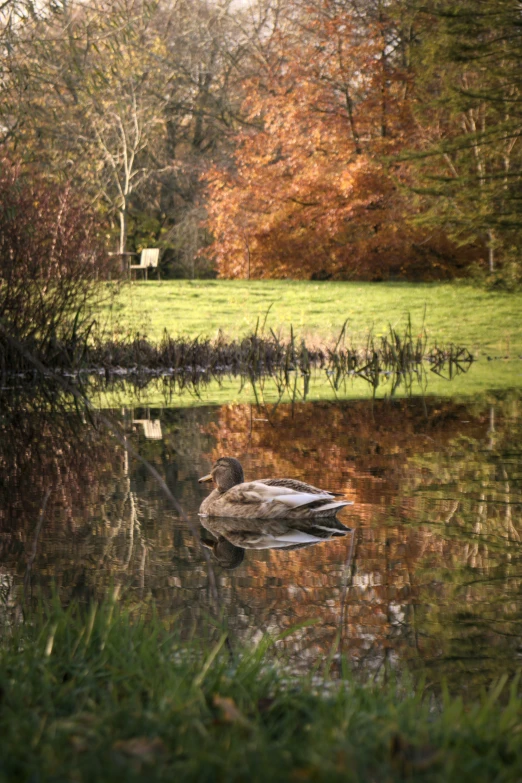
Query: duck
(264,498)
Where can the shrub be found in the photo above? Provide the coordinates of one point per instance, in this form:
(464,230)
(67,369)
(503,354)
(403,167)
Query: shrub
(50,258)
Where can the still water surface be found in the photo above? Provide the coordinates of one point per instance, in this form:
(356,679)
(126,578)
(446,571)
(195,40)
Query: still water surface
(430,579)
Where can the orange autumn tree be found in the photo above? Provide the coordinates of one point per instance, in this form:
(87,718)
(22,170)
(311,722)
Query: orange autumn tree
(309,193)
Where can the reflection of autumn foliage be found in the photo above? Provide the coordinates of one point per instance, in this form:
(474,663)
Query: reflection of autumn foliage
(60,482)
(387,461)
(310,194)
(99,526)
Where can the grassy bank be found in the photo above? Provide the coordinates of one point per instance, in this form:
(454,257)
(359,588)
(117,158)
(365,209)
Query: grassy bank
(483,321)
(106,698)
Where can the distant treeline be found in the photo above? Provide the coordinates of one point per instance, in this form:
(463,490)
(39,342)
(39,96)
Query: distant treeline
(278,138)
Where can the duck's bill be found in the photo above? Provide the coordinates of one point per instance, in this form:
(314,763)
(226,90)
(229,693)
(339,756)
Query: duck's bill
(208,477)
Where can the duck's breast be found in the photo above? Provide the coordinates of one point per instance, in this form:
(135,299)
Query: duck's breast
(205,508)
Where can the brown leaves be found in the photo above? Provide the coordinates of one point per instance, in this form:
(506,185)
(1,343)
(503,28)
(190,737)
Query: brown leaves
(311,194)
(229,711)
(142,749)
(306,174)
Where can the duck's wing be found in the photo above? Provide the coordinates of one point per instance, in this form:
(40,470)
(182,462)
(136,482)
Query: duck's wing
(299,486)
(261,492)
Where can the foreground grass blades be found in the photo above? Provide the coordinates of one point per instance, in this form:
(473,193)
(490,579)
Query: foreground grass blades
(100,696)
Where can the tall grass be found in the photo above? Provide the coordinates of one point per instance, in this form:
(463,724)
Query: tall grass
(104,694)
(398,357)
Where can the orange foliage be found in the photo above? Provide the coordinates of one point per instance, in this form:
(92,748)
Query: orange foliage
(310,194)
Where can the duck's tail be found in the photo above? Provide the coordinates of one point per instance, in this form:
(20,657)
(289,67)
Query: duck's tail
(330,509)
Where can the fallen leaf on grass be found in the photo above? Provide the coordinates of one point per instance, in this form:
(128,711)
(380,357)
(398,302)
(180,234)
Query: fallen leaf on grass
(79,744)
(231,713)
(141,748)
(304,773)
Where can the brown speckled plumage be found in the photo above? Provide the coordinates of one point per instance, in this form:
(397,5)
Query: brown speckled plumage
(265,498)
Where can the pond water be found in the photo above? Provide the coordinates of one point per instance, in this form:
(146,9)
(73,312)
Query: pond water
(430,580)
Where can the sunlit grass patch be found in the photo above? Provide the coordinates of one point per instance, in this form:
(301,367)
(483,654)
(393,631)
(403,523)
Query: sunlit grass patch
(482,321)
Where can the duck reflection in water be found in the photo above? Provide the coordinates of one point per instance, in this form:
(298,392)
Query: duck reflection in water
(233,535)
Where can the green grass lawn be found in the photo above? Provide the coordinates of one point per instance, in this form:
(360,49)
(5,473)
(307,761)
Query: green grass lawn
(483,321)
(105,698)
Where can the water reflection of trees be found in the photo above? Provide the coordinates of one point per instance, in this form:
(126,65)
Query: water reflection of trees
(435,577)
(79,514)
(54,468)
(435,572)
(470,501)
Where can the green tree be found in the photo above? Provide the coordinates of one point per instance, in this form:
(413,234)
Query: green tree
(469,109)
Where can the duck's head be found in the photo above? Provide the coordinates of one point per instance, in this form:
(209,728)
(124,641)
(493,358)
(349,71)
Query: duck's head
(225,473)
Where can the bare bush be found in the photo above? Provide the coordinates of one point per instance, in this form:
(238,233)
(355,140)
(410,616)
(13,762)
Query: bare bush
(50,259)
